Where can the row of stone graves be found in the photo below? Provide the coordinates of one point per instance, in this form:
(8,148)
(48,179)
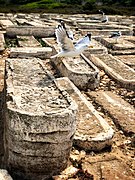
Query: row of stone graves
(66,117)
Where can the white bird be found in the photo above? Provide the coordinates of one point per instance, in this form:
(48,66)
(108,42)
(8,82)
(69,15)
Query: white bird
(104,18)
(68,49)
(115,35)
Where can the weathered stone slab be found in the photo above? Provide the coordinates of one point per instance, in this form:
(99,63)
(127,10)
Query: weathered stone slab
(21,21)
(27,41)
(120,45)
(130,38)
(2,42)
(93,132)
(101,26)
(127,59)
(39,52)
(98,48)
(37,23)
(2,111)
(34,23)
(4,175)
(49,41)
(106,32)
(79,70)
(87,21)
(21,15)
(39,118)
(86,25)
(42,149)
(30,31)
(122,52)
(5,23)
(122,112)
(120,72)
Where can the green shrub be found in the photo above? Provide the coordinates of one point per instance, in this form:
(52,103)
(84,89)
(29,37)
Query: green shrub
(43,4)
(89,5)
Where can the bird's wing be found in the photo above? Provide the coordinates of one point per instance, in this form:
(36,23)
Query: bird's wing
(83,41)
(68,31)
(70,34)
(63,40)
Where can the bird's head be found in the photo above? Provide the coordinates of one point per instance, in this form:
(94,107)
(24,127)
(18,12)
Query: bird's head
(89,35)
(119,32)
(101,11)
(62,24)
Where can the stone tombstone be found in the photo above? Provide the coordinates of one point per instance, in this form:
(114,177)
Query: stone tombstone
(40,121)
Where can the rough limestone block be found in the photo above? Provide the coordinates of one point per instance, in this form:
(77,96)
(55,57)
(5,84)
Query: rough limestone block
(21,21)
(42,149)
(79,70)
(24,52)
(93,132)
(98,48)
(34,23)
(122,112)
(27,41)
(129,38)
(101,26)
(6,23)
(2,109)
(30,31)
(106,32)
(122,52)
(21,15)
(120,45)
(2,42)
(40,121)
(120,72)
(4,175)
(127,59)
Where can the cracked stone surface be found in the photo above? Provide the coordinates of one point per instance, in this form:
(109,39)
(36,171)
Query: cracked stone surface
(4,175)
(2,42)
(127,59)
(27,41)
(103,140)
(24,52)
(28,31)
(81,72)
(93,133)
(39,115)
(113,67)
(120,45)
(122,112)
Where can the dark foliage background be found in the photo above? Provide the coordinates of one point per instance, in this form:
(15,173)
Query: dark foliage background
(122,7)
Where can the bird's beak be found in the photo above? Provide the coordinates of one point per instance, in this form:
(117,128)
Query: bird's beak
(90,46)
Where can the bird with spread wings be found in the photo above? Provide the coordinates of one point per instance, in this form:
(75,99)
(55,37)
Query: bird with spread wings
(68,48)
